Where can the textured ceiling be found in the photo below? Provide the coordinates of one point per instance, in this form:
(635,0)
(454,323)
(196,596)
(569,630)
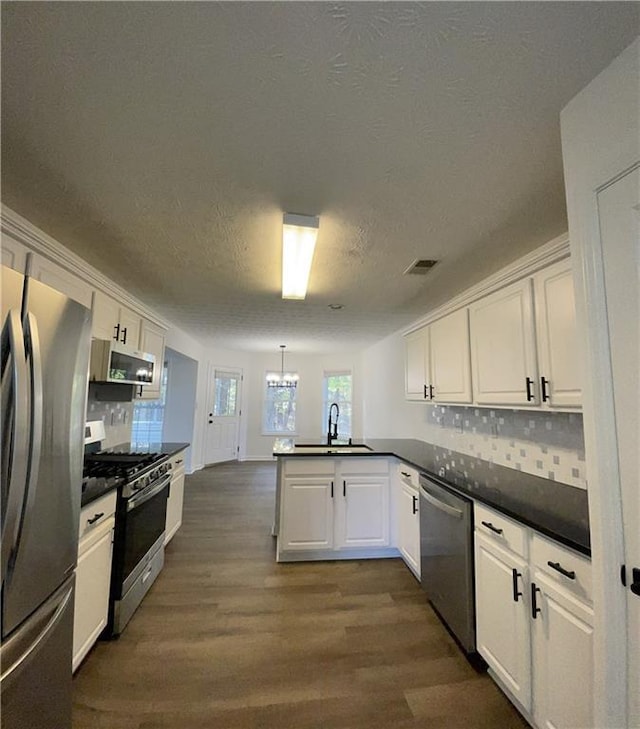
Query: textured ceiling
(163,141)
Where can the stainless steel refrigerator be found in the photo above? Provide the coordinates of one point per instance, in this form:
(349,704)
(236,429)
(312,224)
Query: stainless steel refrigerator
(45,353)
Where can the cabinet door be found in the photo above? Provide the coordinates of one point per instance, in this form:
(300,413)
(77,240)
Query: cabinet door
(307,513)
(59,278)
(14,254)
(562,659)
(174,506)
(364,511)
(130,327)
(409,527)
(502,624)
(503,353)
(558,352)
(451,358)
(152,340)
(106,314)
(416,350)
(93,575)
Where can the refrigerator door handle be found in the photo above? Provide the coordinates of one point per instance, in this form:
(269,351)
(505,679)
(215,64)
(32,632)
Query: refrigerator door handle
(34,358)
(25,644)
(15,451)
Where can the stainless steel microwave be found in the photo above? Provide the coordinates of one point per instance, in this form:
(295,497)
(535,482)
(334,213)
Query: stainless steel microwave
(115,362)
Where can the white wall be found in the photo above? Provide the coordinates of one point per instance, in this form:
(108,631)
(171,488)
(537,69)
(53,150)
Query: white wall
(309,417)
(386,414)
(179,413)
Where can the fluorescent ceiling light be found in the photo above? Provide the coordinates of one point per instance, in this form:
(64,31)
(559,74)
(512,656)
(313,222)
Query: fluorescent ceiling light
(299,233)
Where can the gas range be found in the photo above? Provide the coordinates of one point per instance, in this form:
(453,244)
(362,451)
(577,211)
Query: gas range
(143,482)
(132,471)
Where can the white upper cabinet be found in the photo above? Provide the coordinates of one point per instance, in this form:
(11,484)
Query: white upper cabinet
(111,320)
(14,254)
(106,314)
(558,351)
(49,273)
(510,341)
(450,358)
(503,347)
(152,339)
(417,369)
(130,327)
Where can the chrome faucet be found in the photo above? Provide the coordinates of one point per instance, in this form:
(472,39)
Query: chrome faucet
(331,436)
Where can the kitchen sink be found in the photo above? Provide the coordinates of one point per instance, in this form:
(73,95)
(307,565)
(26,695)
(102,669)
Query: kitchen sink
(332,449)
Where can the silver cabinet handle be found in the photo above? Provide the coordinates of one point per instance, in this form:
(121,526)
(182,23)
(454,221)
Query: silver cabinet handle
(450,510)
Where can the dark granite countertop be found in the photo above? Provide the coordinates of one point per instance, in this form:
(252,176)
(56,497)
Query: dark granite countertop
(553,508)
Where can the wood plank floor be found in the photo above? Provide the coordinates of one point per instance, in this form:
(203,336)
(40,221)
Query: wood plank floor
(228,638)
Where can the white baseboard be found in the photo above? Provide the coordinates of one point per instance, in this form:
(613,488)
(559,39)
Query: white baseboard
(257,458)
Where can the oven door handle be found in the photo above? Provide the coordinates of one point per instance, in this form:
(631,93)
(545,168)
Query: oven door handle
(450,510)
(147,494)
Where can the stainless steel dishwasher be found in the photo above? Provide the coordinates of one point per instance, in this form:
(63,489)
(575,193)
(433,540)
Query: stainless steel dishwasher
(446,558)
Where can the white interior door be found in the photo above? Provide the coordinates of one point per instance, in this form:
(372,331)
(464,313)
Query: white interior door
(223,416)
(619,212)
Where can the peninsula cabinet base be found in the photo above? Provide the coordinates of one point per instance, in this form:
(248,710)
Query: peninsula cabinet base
(330,555)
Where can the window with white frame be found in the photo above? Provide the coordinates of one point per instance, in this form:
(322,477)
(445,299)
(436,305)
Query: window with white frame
(279,412)
(337,388)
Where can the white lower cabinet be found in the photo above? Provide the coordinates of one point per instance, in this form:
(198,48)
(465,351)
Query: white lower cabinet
(407,507)
(502,617)
(563,658)
(334,506)
(176,497)
(534,621)
(307,516)
(365,512)
(93,574)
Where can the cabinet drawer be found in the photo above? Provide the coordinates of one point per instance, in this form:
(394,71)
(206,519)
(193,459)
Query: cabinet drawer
(177,462)
(408,475)
(367,465)
(545,553)
(96,513)
(503,530)
(309,466)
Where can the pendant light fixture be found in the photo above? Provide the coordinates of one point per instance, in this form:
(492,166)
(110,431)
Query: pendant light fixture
(282,378)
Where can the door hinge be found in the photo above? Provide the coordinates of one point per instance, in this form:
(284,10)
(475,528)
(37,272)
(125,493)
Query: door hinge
(238,449)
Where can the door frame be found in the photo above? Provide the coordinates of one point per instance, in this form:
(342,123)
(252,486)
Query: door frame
(210,398)
(603,119)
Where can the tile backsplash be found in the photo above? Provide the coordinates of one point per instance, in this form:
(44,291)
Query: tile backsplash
(546,444)
(117,418)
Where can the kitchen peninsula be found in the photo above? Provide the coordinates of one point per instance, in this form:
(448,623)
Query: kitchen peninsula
(515,560)
(557,510)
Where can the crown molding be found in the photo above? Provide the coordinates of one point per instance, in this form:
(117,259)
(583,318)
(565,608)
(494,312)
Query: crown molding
(23,231)
(545,255)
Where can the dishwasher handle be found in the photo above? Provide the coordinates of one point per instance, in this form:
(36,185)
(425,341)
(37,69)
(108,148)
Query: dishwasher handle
(450,510)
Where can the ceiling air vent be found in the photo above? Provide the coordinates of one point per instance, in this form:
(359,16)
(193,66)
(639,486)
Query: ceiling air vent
(421,266)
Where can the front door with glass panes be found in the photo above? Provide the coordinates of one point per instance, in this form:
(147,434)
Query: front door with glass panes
(223,415)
